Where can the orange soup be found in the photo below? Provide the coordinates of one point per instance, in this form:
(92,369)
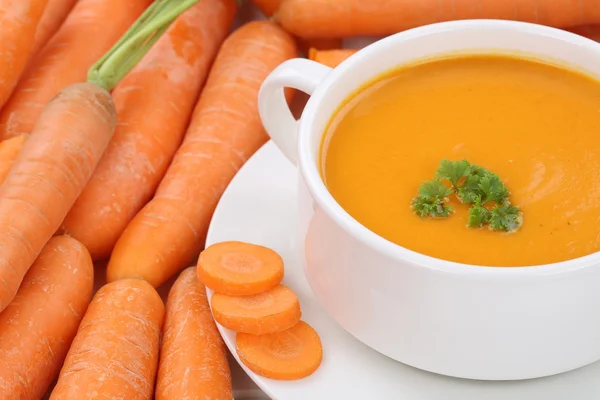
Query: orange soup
(536,125)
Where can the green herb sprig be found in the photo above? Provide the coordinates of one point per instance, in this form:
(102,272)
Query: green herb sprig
(481,189)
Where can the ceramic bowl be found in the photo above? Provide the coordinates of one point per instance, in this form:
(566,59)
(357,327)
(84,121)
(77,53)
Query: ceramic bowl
(444,317)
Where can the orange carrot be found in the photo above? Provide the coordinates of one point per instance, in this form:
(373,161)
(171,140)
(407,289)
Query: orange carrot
(65,146)
(589,31)
(268,7)
(289,355)
(88,32)
(319,44)
(37,328)
(345,18)
(115,352)
(55,13)
(272,311)
(330,58)
(239,269)
(48,175)
(193,358)
(154,103)
(225,131)
(18,24)
(9,151)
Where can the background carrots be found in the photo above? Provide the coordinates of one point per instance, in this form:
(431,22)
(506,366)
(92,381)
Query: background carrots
(51,171)
(37,328)
(589,31)
(330,58)
(268,7)
(9,151)
(89,31)
(18,22)
(55,13)
(51,150)
(154,103)
(344,18)
(225,131)
(192,347)
(115,352)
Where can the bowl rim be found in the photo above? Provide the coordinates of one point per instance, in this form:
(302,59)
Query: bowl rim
(316,186)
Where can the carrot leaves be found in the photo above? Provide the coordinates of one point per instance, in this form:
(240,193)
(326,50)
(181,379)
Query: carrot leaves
(136,42)
(483,190)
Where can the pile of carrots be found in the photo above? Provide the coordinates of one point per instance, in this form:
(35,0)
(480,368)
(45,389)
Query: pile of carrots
(117,157)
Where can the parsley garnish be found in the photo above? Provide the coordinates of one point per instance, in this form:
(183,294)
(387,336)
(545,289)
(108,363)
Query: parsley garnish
(472,185)
(430,201)
(478,215)
(505,218)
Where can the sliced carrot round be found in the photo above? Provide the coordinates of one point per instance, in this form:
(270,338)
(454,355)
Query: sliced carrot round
(272,311)
(239,269)
(289,355)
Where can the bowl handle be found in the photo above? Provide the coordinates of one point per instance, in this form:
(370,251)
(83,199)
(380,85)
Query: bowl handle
(280,124)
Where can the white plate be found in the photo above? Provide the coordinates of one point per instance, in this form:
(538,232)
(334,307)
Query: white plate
(260,207)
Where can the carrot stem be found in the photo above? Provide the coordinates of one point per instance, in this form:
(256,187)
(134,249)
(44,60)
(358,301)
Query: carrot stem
(129,50)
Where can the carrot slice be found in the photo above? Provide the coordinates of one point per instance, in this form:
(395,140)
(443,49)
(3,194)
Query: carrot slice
(272,311)
(239,269)
(289,355)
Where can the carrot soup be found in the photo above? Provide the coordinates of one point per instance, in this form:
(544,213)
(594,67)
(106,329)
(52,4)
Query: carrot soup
(532,127)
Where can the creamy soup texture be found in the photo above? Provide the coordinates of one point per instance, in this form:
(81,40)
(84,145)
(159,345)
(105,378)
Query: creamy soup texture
(534,124)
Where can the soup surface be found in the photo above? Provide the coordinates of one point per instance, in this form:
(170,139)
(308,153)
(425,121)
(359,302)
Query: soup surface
(534,124)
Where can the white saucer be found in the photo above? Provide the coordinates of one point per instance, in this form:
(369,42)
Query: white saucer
(260,207)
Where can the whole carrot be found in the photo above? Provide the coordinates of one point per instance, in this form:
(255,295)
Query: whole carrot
(18,24)
(55,13)
(154,103)
(225,131)
(270,7)
(344,18)
(9,151)
(88,32)
(191,347)
(37,327)
(48,175)
(330,58)
(115,352)
(64,148)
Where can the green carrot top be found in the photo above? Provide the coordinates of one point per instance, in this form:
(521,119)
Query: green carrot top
(136,42)
(475,186)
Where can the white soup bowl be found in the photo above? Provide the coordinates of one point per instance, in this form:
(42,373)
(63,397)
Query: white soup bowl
(444,317)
